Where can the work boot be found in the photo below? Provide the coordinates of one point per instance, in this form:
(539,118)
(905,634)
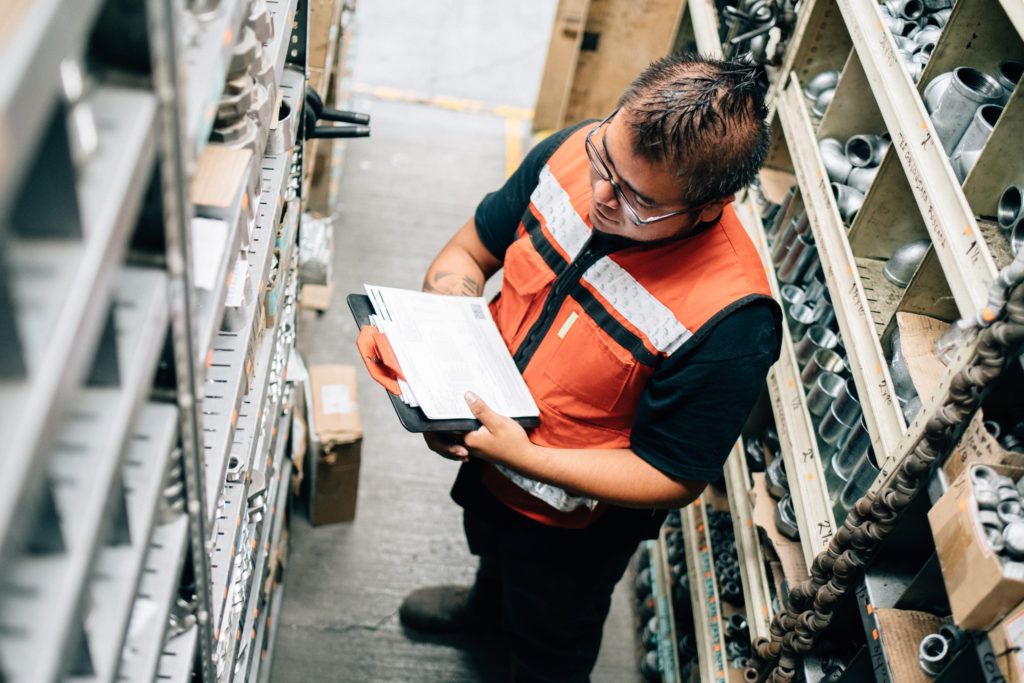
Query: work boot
(445,609)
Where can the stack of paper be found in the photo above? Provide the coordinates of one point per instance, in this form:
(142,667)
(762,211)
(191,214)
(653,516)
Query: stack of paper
(446,346)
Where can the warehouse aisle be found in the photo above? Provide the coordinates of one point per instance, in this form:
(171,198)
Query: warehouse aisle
(447,84)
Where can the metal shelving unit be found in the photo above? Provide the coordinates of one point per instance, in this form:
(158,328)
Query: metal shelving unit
(793,424)
(753,576)
(966,260)
(106,511)
(851,36)
(870,369)
(707,613)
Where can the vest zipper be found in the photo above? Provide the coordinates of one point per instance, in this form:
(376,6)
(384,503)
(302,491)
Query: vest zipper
(564,283)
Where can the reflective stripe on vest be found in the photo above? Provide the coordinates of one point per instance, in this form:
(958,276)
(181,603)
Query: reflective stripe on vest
(611,281)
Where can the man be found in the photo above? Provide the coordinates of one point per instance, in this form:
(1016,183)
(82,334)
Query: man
(639,313)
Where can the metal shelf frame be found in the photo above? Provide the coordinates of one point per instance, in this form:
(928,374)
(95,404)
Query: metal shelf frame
(226,372)
(870,369)
(58,336)
(753,576)
(117,576)
(30,84)
(959,244)
(707,613)
(158,589)
(260,432)
(793,423)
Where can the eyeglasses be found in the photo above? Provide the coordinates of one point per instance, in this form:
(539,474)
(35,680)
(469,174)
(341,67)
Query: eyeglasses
(605,174)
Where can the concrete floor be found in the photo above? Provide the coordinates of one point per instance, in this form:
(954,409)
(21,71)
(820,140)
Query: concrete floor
(432,75)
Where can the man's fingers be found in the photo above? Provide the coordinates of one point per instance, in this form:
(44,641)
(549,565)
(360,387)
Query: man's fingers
(480,410)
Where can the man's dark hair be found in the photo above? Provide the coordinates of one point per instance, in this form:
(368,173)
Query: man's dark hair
(704,118)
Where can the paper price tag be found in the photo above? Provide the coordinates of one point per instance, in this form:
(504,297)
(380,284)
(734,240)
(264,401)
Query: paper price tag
(335,399)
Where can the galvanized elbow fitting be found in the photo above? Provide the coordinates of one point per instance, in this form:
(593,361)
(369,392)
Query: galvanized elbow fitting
(967,151)
(866,150)
(848,200)
(860,179)
(822,101)
(826,80)
(939,17)
(908,9)
(953,97)
(904,261)
(837,163)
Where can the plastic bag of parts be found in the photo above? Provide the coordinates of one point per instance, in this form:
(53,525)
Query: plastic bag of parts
(316,249)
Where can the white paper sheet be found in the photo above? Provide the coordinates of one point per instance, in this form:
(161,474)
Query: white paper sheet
(446,346)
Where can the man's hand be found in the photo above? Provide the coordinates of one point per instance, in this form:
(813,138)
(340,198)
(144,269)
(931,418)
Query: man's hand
(500,439)
(447,444)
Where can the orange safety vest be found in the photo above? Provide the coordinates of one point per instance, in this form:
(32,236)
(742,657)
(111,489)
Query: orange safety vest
(588,329)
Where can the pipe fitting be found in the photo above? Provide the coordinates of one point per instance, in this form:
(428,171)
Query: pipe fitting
(857,443)
(971,144)
(791,295)
(986,498)
(736,628)
(939,17)
(1009,511)
(908,9)
(1017,238)
(1010,208)
(785,518)
(1008,74)
(933,654)
(826,80)
(822,101)
(832,428)
(1013,540)
(837,163)
(824,392)
(983,476)
(823,360)
(800,254)
(847,404)
(860,178)
(901,266)
(800,317)
(866,150)
(848,201)
(953,97)
(926,38)
(775,478)
(815,337)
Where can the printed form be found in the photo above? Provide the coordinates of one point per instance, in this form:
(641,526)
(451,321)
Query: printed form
(446,346)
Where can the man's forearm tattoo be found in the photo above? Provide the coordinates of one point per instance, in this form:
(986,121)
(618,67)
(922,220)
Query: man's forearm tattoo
(453,284)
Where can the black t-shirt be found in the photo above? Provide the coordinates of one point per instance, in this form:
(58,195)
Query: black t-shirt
(699,397)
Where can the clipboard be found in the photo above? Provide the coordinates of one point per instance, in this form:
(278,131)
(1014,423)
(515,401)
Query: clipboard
(382,365)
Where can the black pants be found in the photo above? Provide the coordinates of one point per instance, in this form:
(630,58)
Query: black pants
(551,586)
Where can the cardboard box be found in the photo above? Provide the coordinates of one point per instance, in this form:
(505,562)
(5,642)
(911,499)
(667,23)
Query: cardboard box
(979,594)
(316,297)
(336,438)
(1007,641)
